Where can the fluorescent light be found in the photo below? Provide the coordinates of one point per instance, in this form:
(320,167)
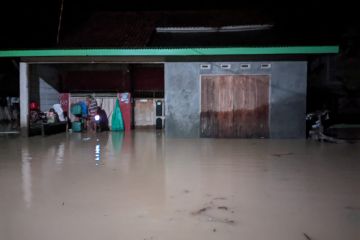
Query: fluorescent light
(236,28)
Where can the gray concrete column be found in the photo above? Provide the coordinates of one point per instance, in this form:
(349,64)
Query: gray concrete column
(24,98)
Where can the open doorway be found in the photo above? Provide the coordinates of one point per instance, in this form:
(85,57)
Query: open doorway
(148,92)
(139,88)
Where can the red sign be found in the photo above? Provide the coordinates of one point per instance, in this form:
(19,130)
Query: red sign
(125,107)
(64,101)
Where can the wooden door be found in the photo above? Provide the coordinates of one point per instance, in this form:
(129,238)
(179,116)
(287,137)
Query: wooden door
(235,106)
(144,112)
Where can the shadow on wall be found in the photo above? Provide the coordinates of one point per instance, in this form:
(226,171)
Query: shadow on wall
(284,121)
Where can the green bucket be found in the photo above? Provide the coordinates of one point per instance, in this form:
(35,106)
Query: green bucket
(75,109)
(76,126)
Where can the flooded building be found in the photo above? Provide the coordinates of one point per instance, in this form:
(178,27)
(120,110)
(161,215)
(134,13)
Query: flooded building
(235,98)
(232,78)
(211,143)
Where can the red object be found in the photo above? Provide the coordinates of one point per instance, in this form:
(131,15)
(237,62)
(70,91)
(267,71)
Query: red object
(64,101)
(34,106)
(126,111)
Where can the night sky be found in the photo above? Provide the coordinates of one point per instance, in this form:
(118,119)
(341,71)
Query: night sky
(33,24)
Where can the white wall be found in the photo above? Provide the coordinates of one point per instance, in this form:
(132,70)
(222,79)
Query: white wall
(48,95)
(24,97)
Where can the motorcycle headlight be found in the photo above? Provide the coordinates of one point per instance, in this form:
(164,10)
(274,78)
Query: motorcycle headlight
(97,117)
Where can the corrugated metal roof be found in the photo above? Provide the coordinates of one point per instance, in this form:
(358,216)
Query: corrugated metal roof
(172,51)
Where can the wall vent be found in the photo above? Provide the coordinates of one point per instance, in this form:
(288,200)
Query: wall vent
(205,66)
(245,66)
(265,66)
(225,66)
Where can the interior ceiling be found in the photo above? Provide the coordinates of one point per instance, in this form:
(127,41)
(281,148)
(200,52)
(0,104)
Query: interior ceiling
(99,66)
(109,77)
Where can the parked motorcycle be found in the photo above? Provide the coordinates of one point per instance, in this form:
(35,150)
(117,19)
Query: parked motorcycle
(317,121)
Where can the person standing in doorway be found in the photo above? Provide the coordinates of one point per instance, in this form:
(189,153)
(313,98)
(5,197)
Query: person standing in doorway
(103,121)
(92,108)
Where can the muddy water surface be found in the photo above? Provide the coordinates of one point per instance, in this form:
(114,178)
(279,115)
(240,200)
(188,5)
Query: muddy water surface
(145,186)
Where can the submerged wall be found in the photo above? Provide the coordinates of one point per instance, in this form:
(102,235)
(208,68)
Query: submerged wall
(287,103)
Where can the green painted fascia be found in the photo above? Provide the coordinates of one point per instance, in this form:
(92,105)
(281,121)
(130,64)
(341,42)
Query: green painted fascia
(171,51)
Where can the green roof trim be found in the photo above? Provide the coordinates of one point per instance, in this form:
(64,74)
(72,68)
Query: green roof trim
(170,51)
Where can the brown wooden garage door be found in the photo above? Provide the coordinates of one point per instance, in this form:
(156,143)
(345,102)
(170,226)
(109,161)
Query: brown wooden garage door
(235,106)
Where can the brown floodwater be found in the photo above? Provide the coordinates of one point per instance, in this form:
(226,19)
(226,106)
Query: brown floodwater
(145,186)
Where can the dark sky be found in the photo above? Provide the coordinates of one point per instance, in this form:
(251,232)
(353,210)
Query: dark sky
(25,24)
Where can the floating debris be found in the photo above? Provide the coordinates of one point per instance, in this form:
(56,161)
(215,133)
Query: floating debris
(282,154)
(212,218)
(201,211)
(223,208)
(307,236)
(63,203)
(229,221)
(220,198)
(214,230)
(186,191)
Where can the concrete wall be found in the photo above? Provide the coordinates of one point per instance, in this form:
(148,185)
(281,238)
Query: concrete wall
(182,101)
(288,100)
(44,85)
(287,96)
(48,95)
(34,93)
(24,97)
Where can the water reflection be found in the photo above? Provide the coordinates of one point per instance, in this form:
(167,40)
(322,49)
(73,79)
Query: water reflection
(117,141)
(26,175)
(59,160)
(97,153)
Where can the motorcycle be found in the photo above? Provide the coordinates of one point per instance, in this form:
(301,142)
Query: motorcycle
(316,122)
